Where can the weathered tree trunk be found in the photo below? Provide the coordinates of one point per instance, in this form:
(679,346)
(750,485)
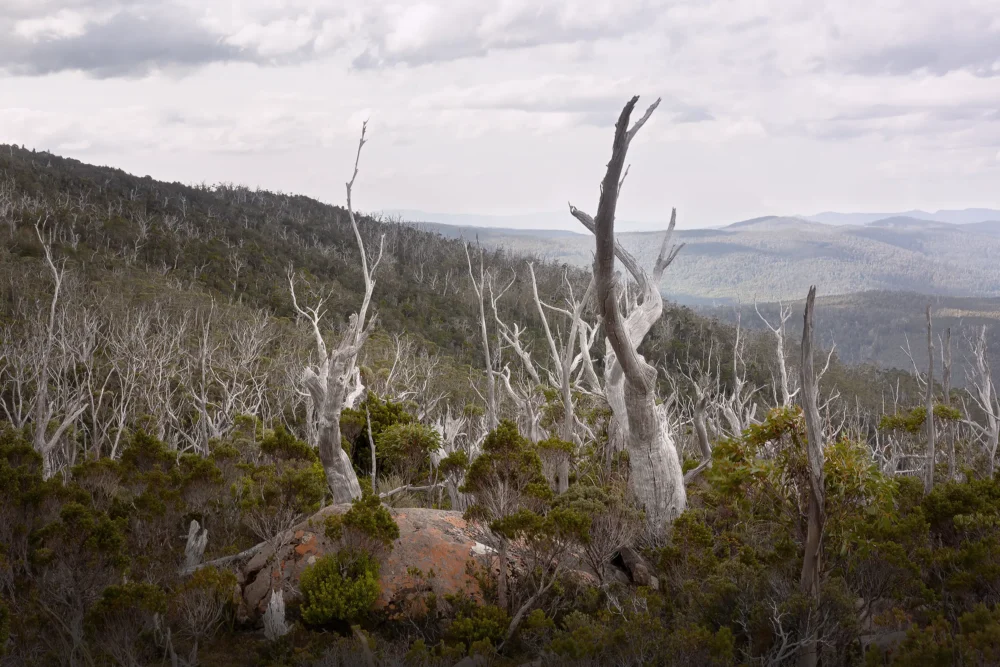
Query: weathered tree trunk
(985,397)
(700,426)
(656,478)
(809,583)
(194,550)
(779,334)
(949,431)
(502,576)
(274,617)
(45,410)
(931,430)
(492,408)
(336,382)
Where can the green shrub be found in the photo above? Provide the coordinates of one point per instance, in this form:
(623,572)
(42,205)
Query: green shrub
(485,623)
(405,449)
(341,587)
(367,526)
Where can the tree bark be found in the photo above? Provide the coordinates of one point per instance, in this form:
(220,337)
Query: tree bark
(492,417)
(700,427)
(809,582)
(949,431)
(931,430)
(655,476)
(335,383)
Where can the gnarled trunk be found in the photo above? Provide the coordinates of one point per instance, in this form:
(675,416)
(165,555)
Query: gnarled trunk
(810,581)
(336,382)
(656,478)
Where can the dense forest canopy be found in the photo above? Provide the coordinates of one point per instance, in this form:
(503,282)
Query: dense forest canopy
(186,372)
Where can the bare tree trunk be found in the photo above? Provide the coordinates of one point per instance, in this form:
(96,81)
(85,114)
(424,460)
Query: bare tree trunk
(492,410)
(194,550)
(810,580)
(700,427)
(45,408)
(502,576)
(931,434)
(949,433)
(656,478)
(335,383)
(779,334)
(985,397)
(371,444)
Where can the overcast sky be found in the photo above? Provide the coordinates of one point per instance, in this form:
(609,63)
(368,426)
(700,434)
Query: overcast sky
(508,106)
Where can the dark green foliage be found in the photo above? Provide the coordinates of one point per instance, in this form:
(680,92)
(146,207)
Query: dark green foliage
(354,424)
(477,624)
(339,588)
(507,458)
(457,461)
(404,449)
(288,485)
(367,526)
(912,422)
(281,445)
(121,621)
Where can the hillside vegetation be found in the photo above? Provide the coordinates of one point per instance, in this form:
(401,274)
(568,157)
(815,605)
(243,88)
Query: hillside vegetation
(175,423)
(879,327)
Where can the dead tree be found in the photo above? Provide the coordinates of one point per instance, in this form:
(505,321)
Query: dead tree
(809,582)
(335,382)
(452,429)
(480,287)
(65,411)
(701,382)
(563,362)
(563,353)
(984,397)
(738,406)
(656,478)
(929,402)
(946,380)
(784,312)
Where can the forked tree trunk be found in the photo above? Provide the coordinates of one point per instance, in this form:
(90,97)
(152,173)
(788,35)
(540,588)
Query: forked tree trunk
(984,396)
(655,476)
(810,580)
(335,383)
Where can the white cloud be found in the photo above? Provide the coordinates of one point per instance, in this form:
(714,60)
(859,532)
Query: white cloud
(777,106)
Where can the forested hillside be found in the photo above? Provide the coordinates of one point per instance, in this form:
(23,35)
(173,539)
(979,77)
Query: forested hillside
(774,258)
(887,328)
(243,427)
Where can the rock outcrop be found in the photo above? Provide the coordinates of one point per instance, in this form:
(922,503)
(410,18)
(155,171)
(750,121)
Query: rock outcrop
(437,543)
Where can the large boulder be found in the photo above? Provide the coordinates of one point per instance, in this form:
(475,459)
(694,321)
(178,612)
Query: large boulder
(437,543)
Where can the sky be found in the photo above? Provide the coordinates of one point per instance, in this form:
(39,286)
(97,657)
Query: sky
(506,107)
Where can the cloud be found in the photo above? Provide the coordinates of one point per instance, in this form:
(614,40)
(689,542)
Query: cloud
(421,32)
(127,43)
(510,102)
(900,38)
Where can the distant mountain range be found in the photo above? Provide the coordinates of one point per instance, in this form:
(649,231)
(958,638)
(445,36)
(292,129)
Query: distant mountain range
(545,220)
(954,216)
(773,257)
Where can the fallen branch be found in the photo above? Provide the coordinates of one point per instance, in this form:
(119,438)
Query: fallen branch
(692,474)
(226,560)
(409,487)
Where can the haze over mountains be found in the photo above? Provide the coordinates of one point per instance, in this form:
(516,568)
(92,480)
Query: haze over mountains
(563,221)
(954,216)
(774,257)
